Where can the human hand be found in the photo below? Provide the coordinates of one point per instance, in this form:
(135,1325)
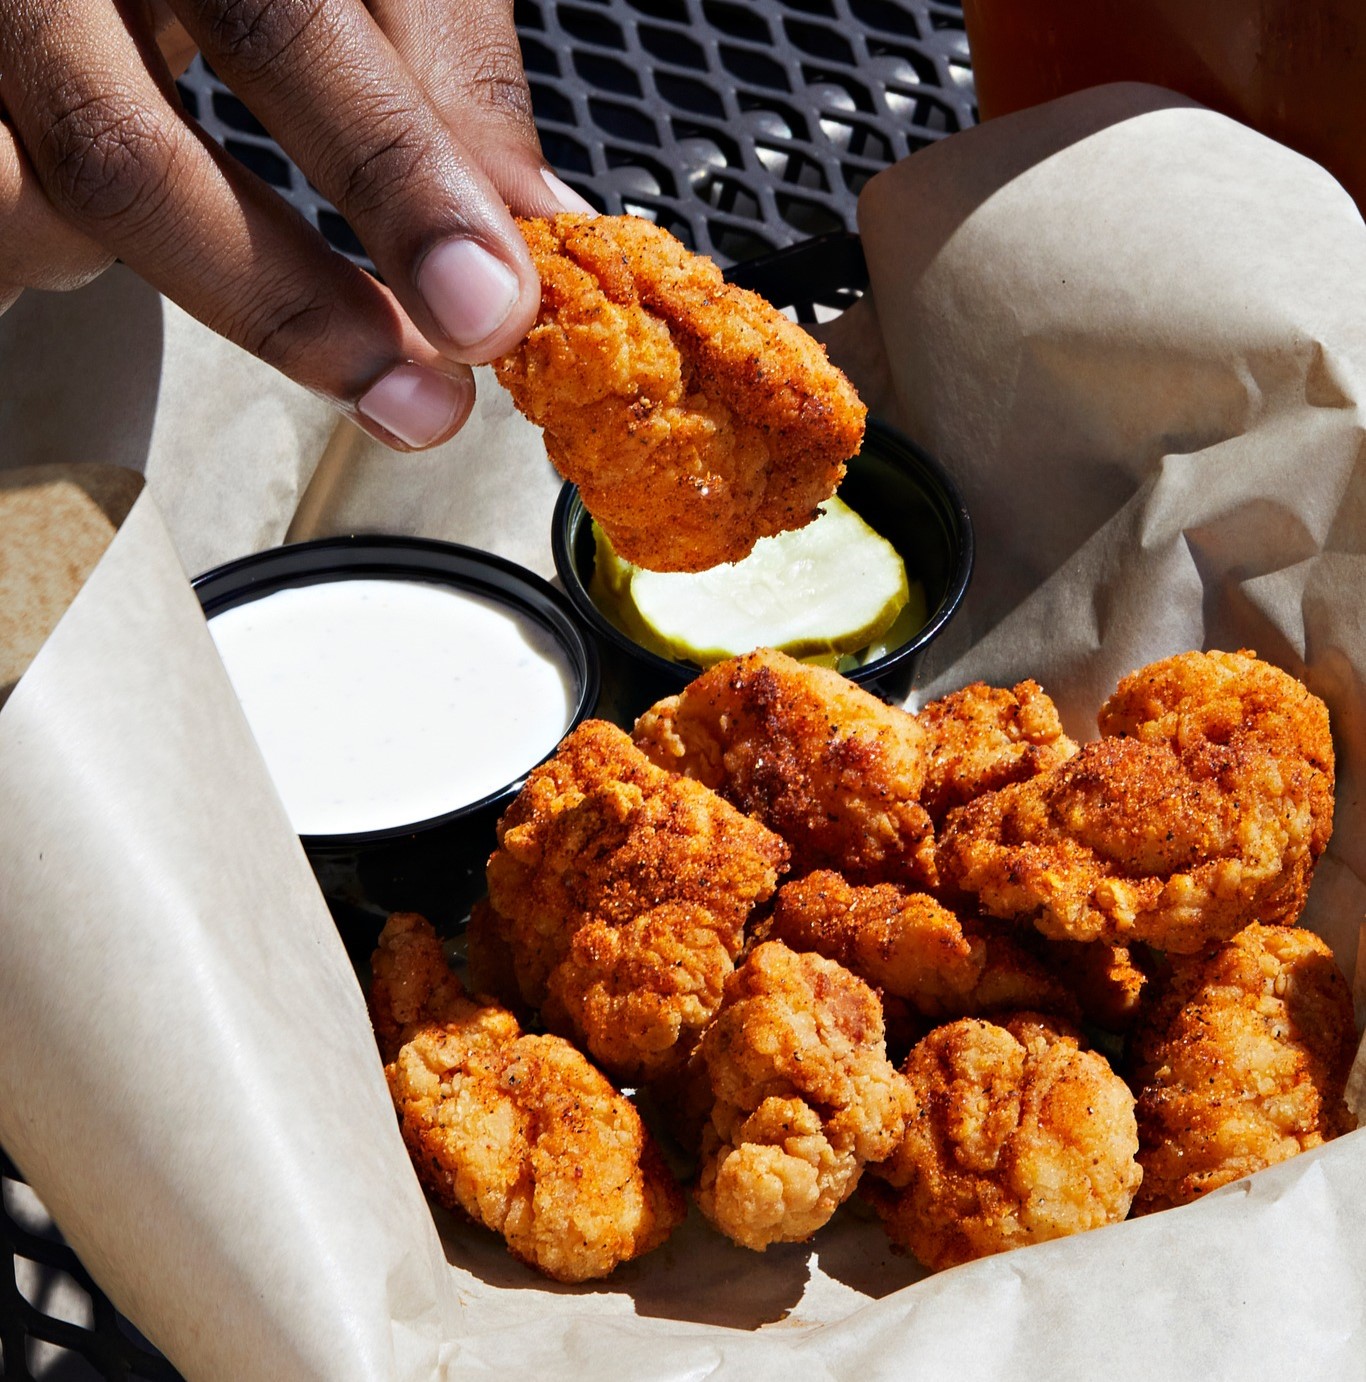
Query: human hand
(411,116)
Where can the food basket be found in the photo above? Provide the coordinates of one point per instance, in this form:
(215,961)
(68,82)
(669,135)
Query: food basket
(748,129)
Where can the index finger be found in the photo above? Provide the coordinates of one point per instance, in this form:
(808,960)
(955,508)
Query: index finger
(117,161)
(322,77)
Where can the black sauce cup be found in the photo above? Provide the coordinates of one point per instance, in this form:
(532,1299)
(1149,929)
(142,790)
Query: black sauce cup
(433,866)
(892,484)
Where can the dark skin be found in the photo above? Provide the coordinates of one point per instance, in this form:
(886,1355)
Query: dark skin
(411,116)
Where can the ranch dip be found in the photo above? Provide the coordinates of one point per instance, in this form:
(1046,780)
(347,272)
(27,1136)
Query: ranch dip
(380,703)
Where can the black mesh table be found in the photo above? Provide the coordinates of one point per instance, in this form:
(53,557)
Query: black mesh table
(740,125)
(746,127)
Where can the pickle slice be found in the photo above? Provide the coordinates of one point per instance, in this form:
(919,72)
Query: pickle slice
(818,592)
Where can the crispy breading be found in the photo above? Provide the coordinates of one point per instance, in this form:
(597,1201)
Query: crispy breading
(903,943)
(623,892)
(411,983)
(518,1132)
(1241,1063)
(1017,1136)
(1196,700)
(804,1096)
(1205,815)
(693,416)
(909,947)
(835,771)
(1222,696)
(983,737)
(639,992)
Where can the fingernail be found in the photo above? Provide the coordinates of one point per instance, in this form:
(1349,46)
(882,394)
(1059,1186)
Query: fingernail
(416,404)
(563,193)
(469,292)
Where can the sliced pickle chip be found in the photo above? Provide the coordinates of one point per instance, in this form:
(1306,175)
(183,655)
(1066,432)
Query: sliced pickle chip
(823,593)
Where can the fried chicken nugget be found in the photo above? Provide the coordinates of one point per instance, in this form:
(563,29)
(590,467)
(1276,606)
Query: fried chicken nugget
(1017,1136)
(518,1132)
(903,943)
(411,984)
(1241,1063)
(1218,697)
(693,416)
(835,771)
(804,1097)
(983,737)
(1210,812)
(910,947)
(622,892)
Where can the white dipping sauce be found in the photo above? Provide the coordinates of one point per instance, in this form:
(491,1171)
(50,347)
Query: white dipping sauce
(380,703)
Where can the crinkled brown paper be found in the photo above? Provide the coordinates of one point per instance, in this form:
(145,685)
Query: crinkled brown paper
(1134,330)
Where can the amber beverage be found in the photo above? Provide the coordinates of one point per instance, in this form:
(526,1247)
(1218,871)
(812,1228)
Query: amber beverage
(1294,69)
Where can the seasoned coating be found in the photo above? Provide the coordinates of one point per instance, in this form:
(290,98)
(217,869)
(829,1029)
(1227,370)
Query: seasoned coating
(1130,840)
(903,943)
(622,892)
(1222,696)
(411,983)
(518,1132)
(828,766)
(910,947)
(640,992)
(693,416)
(983,737)
(1017,1136)
(804,1096)
(1199,701)
(1241,1063)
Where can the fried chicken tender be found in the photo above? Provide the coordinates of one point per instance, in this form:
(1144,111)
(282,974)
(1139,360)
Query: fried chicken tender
(622,893)
(1241,1063)
(518,1132)
(1017,1135)
(804,1097)
(1210,812)
(832,769)
(910,947)
(1220,697)
(903,943)
(693,416)
(983,737)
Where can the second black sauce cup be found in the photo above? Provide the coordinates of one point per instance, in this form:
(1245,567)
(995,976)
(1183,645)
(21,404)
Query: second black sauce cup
(892,484)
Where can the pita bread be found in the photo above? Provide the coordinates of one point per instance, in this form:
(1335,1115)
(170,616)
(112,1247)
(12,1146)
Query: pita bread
(55,523)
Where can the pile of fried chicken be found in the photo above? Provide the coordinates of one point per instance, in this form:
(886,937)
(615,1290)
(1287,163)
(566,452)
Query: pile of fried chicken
(1003,986)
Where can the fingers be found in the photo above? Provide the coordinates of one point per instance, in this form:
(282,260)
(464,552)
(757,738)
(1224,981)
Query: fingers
(115,160)
(322,77)
(37,248)
(470,63)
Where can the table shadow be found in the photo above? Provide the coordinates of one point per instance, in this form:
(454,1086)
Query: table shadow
(81,365)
